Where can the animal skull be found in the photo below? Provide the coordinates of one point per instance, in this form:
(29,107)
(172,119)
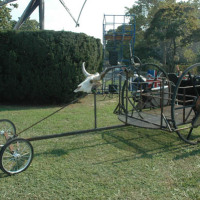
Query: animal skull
(92,81)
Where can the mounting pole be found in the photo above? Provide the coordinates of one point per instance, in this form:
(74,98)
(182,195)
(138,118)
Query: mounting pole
(126,97)
(41,14)
(28,11)
(95,110)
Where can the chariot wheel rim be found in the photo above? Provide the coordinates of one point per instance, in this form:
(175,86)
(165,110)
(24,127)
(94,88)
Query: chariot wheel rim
(187,130)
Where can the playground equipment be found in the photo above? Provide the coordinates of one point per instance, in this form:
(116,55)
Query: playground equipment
(118,43)
(118,35)
(161,103)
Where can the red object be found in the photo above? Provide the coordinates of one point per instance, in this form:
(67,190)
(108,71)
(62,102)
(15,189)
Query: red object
(151,80)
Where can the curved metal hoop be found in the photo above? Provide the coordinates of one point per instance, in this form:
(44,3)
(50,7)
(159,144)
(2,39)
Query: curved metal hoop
(184,104)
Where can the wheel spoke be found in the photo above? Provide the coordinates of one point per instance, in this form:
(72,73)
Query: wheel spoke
(9,160)
(8,153)
(7,131)
(189,134)
(22,151)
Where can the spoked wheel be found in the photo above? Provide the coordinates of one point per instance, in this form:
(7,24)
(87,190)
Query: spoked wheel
(7,131)
(185,108)
(139,85)
(16,156)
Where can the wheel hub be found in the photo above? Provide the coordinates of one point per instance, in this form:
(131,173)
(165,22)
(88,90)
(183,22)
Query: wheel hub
(1,132)
(16,155)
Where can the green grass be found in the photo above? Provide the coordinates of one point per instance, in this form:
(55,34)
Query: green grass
(126,163)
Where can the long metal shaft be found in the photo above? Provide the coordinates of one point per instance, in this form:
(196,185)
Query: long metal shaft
(44,137)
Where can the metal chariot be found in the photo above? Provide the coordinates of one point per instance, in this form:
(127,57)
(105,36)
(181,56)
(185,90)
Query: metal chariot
(154,100)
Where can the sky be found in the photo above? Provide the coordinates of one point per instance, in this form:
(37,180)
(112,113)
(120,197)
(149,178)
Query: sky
(91,21)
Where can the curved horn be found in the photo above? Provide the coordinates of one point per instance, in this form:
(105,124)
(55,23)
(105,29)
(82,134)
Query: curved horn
(106,71)
(84,71)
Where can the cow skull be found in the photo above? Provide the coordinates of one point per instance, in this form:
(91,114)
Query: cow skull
(92,81)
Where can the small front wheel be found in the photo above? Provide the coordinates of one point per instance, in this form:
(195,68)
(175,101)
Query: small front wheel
(7,131)
(16,156)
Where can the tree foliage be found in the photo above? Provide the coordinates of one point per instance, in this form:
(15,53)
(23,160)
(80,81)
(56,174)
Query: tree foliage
(6,22)
(170,25)
(165,29)
(28,25)
(143,11)
(5,18)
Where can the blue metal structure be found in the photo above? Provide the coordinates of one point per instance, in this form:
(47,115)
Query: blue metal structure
(118,37)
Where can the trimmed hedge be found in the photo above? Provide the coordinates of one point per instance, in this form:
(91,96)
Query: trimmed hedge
(44,67)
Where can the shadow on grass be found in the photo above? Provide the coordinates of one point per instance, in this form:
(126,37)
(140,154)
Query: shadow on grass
(19,107)
(141,143)
(25,107)
(60,152)
(188,154)
(144,143)
(141,140)
(53,152)
(3,175)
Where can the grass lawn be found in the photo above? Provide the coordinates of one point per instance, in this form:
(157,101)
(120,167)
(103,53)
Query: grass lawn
(125,163)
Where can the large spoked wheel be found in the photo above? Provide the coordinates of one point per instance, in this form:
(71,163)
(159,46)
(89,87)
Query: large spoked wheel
(7,131)
(185,108)
(138,86)
(16,156)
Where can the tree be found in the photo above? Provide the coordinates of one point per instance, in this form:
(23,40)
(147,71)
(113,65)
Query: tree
(194,37)
(6,22)
(5,16)
(143,11)
(169,26)
(28,25)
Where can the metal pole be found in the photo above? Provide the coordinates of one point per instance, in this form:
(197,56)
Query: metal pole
(44,137)
(126,97)
(41,14)
(184,93)
(162,100)
(120,84)
(33,4)
(95,110)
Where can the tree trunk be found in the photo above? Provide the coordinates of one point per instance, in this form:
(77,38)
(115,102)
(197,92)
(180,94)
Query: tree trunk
(174,54)
(164,55)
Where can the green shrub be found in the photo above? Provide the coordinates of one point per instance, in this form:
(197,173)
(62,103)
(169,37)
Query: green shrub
(44,67)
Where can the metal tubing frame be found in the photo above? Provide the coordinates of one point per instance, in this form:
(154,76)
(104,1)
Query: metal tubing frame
(44,137)
(162,100)
(126,97)
(95,129)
